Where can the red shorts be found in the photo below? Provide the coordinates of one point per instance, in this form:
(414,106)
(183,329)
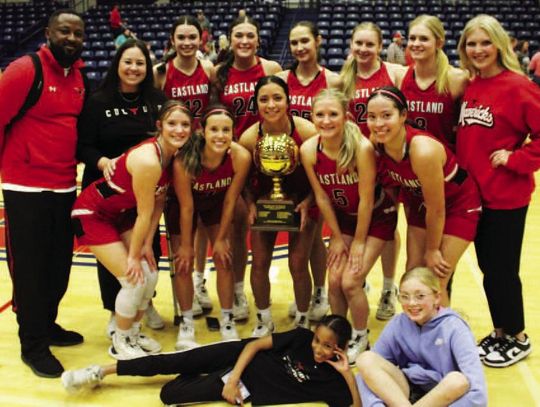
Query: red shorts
(383,220)
(209,214)
(462,211)
(95,229)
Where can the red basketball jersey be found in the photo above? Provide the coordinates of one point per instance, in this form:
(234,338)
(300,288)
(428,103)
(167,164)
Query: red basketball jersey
(193,90)
(238,96)
(108,199)
(301,96)
(364,88)
(432,111)
(210,186)
(342,187)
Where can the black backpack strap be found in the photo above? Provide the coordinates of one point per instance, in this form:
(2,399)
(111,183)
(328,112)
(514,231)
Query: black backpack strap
(35,90)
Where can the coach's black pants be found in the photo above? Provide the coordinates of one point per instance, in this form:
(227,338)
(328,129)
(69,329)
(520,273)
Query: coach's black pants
(39,243)
(200,371)
(498,248)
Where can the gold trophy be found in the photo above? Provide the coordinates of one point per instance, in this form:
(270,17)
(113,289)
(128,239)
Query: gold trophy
(276,155)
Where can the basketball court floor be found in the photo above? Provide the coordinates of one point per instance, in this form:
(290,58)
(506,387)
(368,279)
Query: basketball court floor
(516,386)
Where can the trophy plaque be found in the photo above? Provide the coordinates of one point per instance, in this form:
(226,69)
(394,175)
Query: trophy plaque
(276,156)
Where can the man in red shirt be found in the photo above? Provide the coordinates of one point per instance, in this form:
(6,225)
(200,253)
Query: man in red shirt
(38,169)
(115,20)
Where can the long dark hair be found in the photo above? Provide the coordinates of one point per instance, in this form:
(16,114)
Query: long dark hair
(391,93)
(314,31)
(110,84)
(191,154)
(265,80)
(340,326)
(223,71)
(182,20)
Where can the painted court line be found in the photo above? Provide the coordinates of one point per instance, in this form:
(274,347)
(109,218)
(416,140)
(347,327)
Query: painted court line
(523,367)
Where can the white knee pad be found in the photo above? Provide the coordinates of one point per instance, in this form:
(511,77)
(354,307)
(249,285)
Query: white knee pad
(151,279)
(129,298)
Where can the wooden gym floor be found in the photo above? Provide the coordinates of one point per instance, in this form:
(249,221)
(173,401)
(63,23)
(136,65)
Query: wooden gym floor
(81,310)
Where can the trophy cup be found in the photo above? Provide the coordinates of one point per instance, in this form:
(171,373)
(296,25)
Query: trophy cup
(276,156)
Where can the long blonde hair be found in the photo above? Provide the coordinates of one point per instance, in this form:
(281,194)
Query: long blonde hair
(498,36)
(351,132)
(436,27)
(425,276)
(350,68)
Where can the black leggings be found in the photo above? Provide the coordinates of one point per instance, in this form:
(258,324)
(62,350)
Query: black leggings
(200,371)
(498,249)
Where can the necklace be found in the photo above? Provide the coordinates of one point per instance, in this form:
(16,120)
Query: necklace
(128,100)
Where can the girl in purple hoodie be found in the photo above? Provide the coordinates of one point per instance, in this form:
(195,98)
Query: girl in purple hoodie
(425,356)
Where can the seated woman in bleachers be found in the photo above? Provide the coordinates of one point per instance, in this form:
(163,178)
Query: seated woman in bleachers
(186,78)
(363,72)
(432,86)
(106,131)
(235,88)
(425,356)
(305,79)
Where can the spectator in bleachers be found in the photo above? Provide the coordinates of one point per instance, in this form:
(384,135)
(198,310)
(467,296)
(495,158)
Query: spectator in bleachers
(534,67)
(203,21)
(184,77)
(305,79)
(396,52)
(361,74)
(272,103)
(223,45)
(500,113)
(105,133)
(39,186)
(432,86)
(123,37)
(115,21)
(236,78)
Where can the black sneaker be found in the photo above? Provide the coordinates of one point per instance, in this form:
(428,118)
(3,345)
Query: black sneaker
(61,337)
(509,351)
(44,365)
(488,344)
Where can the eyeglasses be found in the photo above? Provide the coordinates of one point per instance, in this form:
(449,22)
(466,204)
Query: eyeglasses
(417,297)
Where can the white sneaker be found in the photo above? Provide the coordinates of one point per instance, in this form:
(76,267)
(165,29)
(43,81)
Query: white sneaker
(186,337)
(201,293)
(263,328)
(240,307)
(318,306)
(152,318)
(292,309)
(125,347)
(147,344)
(196,307)
(89,377)
(301,322)
(387,304)
(228,329)
(111,327)
(356,346)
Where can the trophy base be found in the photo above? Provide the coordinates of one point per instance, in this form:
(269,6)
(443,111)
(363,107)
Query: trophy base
(276,215)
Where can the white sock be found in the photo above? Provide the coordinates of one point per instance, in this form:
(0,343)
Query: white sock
(388,284)
(266,315)
(359,332)
(318,291)
(239,287)
(198,277)
(187,316)
(299,315)
(226,314)
(123,332)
